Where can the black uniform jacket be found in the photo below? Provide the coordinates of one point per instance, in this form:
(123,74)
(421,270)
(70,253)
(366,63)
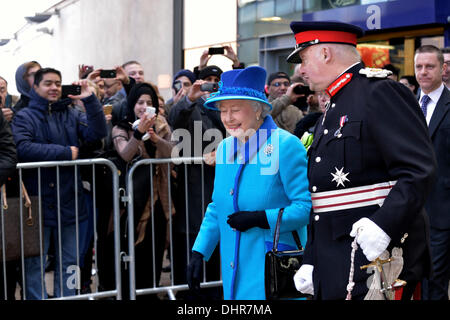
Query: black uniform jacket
(383,137)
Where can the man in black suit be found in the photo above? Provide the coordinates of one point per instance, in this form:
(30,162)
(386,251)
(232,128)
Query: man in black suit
(435,103)
(370,167)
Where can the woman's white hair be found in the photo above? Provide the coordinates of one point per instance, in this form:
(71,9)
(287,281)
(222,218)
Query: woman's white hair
(257,105)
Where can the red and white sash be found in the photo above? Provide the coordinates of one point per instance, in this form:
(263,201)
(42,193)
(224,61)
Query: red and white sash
(351,198)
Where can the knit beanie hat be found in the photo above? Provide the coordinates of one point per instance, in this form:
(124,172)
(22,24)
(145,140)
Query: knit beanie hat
(184,72)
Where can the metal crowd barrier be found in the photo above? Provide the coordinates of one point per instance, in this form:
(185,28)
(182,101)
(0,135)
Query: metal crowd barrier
(171,288)
(120,254)
(117,292)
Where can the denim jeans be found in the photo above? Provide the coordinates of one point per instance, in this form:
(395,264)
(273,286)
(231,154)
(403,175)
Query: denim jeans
(70,273)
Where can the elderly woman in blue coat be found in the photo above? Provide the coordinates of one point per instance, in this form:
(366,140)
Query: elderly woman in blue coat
(259,170)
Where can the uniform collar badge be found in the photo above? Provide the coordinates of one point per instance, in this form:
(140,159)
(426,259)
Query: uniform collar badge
(337,85)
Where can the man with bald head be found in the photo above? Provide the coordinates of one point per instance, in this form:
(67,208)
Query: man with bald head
(370,168)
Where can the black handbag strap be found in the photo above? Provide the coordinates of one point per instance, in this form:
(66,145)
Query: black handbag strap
(276,236)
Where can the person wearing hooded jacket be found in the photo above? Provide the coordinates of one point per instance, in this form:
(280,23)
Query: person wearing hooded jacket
(48,130)
(24,82)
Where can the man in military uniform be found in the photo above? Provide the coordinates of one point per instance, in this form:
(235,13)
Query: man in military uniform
(370,168)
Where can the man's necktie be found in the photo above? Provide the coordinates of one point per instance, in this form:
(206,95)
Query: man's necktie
(423,106)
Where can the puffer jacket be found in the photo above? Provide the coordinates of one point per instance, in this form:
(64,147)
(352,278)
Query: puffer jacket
(45,132)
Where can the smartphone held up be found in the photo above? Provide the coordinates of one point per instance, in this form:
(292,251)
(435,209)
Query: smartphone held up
(72,90)
(108,74)
(209,87)
(216,50)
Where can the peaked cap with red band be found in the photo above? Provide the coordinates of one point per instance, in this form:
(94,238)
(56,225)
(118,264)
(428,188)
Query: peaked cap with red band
(315,32)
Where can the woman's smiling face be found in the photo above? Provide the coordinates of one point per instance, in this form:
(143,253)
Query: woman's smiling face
(239,118)
(142,103)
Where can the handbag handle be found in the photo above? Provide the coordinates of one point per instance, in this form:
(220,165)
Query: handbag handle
(276,236)
(27,203)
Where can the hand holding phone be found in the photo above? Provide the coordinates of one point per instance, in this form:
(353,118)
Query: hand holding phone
(209,87)
(177,85)
(151,111)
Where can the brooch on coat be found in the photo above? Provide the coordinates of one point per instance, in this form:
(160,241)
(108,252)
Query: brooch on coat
(268,150)
(375,72)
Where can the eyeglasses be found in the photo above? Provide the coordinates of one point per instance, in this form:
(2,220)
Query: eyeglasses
(279,84)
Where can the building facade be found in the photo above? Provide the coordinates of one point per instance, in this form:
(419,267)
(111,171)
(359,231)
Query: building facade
(166,36)
(394,28)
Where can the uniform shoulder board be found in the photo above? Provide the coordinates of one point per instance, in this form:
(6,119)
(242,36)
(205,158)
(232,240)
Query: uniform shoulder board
(375,72)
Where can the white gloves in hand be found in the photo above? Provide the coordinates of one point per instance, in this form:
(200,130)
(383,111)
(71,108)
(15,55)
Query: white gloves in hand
(372,239)
(303,279)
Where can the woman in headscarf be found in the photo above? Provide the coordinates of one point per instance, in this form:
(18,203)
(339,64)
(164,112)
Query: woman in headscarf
(131,147)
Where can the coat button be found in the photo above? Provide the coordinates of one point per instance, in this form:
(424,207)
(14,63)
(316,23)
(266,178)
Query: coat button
(51,185)
(333,105)
(314,189)
(231,192)
(325,132)
(232,265)
(318,159)
(316,217)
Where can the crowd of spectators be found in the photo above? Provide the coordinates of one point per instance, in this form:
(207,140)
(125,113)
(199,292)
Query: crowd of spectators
(100,121)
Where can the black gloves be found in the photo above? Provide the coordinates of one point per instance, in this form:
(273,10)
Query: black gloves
(244,220)
(194,271)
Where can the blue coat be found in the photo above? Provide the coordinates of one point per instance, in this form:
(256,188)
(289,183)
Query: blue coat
(274,177)
(44,132)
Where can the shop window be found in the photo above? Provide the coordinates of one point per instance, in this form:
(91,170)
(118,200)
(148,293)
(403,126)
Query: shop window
(378,54)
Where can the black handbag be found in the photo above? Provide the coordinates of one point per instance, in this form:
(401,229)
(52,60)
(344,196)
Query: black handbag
(10,224)
(280,268)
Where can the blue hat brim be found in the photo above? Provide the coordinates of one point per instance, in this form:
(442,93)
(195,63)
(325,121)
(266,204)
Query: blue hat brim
(211,103)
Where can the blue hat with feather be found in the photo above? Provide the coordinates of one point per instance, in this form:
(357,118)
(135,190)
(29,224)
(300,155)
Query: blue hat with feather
(240,84)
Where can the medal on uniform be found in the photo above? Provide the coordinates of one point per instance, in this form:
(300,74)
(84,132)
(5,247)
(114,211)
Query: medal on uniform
(340,177)
(342,122)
